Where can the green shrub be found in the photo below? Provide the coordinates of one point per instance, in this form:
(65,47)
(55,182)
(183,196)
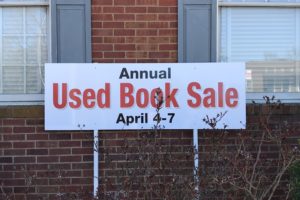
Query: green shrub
(295,180)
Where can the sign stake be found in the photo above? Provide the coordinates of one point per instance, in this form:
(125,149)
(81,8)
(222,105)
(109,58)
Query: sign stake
(196,161)
(96,162)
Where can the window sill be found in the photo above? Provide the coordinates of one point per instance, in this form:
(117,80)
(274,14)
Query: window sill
(22,99)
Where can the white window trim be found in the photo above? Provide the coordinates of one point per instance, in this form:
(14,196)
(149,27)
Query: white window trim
(27,99)
(258,4)
(22,3)
(258,96)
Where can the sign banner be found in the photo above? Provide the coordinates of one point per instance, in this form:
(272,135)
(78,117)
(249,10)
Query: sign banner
(142,96)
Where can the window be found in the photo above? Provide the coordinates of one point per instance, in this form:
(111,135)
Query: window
(267,38)
(263,33)
(24,33)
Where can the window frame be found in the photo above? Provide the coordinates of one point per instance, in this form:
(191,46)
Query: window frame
(28,99)
(285,97)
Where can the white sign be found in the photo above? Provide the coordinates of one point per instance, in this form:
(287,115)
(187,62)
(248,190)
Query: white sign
(138,96)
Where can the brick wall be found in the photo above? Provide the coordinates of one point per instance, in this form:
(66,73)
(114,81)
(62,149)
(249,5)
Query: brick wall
(35,164)
(38,164)
(134,31)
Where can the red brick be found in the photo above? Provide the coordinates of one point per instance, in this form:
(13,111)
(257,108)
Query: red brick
(136,54)
(59,166)
(173,24)
(135,9)
(87,158)
(146,17)
(70,158)
(23,129)
(48,189)
(102,47)
(69,144)
(83,150)
(82,136)
(102,32)
(97,9)
(14,152)
(147,47)
(23,145)
(97,24)
(24,159)
(5,159)
(146,2)
(136,40)
(167,17)
(82,166)
(97,40)
(124,17)
(124,47)
(147,32)
(35,122)
(124,2)
(14,182)
(11,137)
(125,60)
(158,40)
(24,190)
(60,136)
(82,180)
(42,136)
(114,40)
(88,173)
(47,159)
(102,17)
(97,54)
(6,130)
(168,47)
(158,9)
(13,122)
(114,143)
(48,144)
(136,25)
(114,54)
(158,24)
(102,2)
(113,24)
(173,10)
(37,151)
(4,145)
(159,54)
(113,9)
(59,151)
(60,181)
(168,2)
(124,32)
(168,32)
(6,175)
(147,61)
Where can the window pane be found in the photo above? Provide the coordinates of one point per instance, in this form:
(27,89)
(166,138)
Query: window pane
(268,40)
(34,75)
(36,50)
(24,49)
(36,20)
(12,20)
(13,80)
(13,51)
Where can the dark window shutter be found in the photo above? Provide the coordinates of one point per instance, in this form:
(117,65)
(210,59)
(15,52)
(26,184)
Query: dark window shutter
(197,31)
(71,31)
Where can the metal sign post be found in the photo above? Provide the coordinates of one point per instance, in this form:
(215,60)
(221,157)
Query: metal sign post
(196,160)
(96,162)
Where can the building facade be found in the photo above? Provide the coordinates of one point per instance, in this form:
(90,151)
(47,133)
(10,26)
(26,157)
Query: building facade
(36,164)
